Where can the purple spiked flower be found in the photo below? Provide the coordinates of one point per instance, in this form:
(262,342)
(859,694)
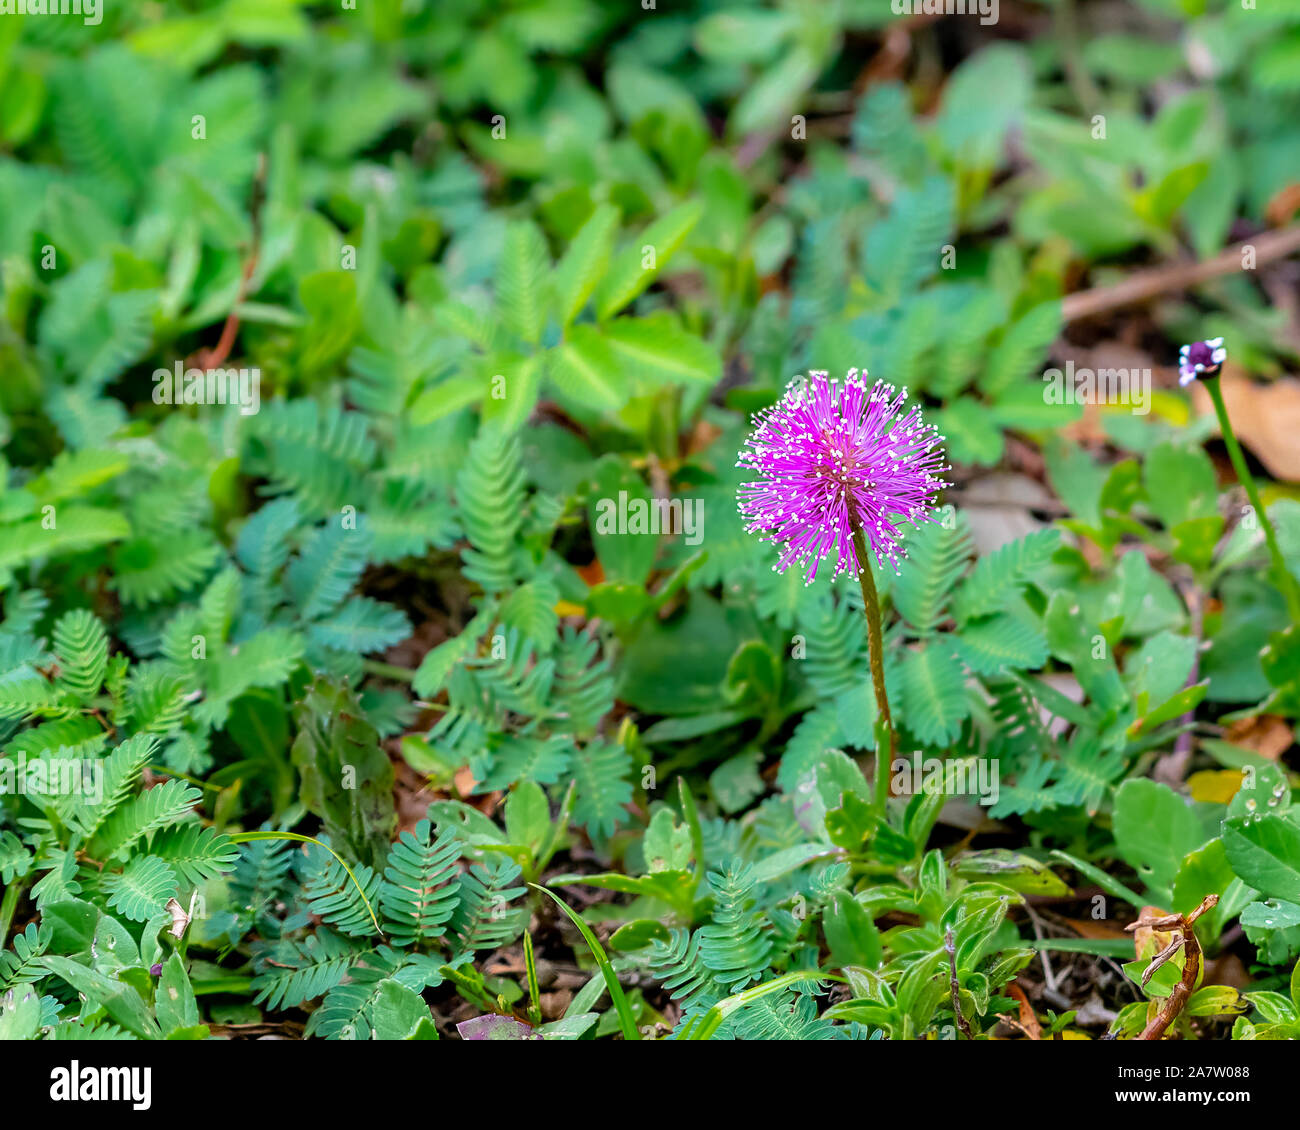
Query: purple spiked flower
(831,457)
(1201,359)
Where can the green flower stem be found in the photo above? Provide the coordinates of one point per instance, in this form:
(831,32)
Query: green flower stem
(1247,480)
(885,739)
(8,906)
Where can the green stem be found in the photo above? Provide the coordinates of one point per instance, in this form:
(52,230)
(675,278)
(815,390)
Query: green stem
(1065,23)
(387,670)
(7,908)
(885,740)
(1247,480)
(231,984)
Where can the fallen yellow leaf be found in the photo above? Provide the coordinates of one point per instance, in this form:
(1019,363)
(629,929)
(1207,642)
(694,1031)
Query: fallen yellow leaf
(1215,785)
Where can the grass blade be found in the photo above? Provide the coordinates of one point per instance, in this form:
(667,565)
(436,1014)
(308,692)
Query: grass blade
(624,1010)
(705,1025)
(246,837)
(1104,881)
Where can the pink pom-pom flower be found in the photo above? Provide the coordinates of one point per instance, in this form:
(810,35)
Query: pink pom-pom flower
(832,456)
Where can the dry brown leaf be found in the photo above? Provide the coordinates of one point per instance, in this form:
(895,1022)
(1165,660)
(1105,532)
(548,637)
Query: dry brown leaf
(1227,969)
(1089,428)
(1087,928)
(998,507)
(1266,419)
(1028,1020)
(702,437)
(1266,734)
(593,573)
(464,781)
(554,1004)
(1283,205)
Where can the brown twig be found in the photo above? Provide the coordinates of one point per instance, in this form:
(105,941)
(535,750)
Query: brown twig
(1145,285)
(215,356)
(1186,941)
(291,1029)
(951,947)
(1049,977)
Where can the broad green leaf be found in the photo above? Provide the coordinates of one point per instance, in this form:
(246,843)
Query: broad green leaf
(119,999)
(586,371)
(521,278)
(639,264)
(580,268)
(1265,852)
(1155,829)
(656,351)
(1180,484)
(174,1002)
(851,933)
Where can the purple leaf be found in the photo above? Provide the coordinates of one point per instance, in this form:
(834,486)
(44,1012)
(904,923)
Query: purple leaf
(494,1027)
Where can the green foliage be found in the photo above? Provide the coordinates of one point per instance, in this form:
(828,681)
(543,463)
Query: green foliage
(421,885)
(346,779)
(512,279)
